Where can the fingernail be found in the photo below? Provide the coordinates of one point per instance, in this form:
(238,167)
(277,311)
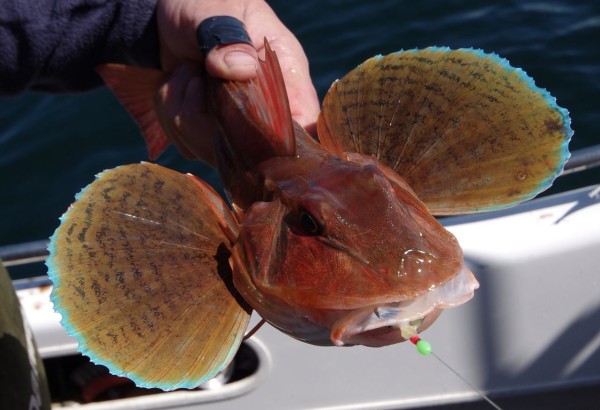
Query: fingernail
(236,59)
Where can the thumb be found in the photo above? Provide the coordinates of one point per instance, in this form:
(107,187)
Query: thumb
(236,61)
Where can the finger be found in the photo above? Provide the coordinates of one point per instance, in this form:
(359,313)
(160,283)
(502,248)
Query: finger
(236,61)
(180,105)
(228,47)
(167,103)
(304,102)
(195,122)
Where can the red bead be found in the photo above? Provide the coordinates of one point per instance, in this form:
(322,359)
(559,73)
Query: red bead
(415,339)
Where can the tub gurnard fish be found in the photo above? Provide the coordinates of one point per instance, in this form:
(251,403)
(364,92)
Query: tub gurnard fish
(332,241)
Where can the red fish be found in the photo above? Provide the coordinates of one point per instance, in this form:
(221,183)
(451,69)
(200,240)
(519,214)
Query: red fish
(333,242)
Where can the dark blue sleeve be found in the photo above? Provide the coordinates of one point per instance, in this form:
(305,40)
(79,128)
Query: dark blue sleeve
(54,45)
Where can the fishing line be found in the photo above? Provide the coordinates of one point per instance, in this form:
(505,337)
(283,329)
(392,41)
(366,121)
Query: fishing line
(424,347)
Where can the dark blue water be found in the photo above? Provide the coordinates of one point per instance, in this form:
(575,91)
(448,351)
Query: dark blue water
(51,146)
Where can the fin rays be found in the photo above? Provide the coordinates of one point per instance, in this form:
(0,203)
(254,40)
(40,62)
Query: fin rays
(430,114)
(138,264)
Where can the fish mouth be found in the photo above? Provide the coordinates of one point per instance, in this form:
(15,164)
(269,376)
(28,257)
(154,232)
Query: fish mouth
(395,322)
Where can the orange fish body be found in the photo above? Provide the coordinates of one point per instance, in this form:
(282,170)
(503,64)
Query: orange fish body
(333,249)
(332,241)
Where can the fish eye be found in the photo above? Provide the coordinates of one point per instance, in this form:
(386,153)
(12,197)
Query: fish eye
(309,224)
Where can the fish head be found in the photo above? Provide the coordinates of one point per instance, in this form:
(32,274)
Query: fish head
(347,254)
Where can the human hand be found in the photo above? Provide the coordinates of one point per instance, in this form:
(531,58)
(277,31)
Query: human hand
(178,100)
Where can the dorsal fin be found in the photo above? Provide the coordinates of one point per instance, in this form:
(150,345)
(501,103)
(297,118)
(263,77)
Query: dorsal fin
(467,131)
(135,88)
(254,116)
(271,104)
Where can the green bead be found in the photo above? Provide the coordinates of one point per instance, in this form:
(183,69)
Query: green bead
(423,347)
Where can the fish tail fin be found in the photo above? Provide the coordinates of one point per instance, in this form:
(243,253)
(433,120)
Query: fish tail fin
(141,276)
(135,88)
